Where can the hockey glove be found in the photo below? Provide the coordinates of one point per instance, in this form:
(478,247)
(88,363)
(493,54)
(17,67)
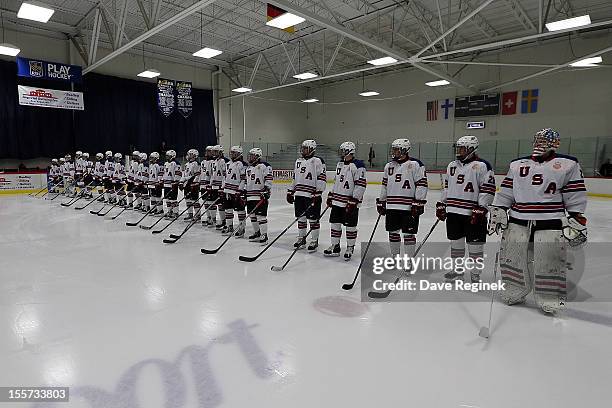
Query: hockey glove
(479,215)
(240,199)
(265,195)
(351,206)
(498,220)
(317,199)
(575,230)
(290,198)
(329,199)
(418,207)
(441,211)
(381,206)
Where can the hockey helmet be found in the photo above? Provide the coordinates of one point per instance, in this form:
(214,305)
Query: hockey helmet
(142,157)
(255,155)
(154,157)
(118,157)
(346,148)
(108,154)
(308,148)
(99,156)
(235,152)
(546,140)
(399,148)
(192,154)
(78,154)
(465,147)
(170,155)
(54,161)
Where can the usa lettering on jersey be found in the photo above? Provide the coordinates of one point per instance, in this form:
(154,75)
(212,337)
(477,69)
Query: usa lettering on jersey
(258,179)
(309,177)
(403,183)
(350,183)
(467,185)
(219,170)
(235,178)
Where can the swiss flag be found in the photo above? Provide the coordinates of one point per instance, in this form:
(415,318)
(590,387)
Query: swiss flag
(509,103)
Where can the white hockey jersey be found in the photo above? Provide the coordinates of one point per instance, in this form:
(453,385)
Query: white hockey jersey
(156,174)
(99,169)
(79,168)
(235,178)
(219,170)
(467,185)
(68,171)
(258,179)
(191,175)
(142,174)
(403,183)
(543,191)
(132,170)
(109,168)
(119,172)
(54,171)
(309,177)
(349,184)
(89,167)
(172,173)
(205,172)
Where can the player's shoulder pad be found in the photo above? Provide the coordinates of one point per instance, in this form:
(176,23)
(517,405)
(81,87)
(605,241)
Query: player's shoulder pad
(320,158)
(521,158)
(486,163)
(266,164)
(418,161)
(566,156)
(359,164)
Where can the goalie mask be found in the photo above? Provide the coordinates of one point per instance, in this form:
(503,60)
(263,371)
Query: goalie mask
(545,141)
(346,148)
(466,147)
(400,149)
(308,148)
(235,153)
(255,155)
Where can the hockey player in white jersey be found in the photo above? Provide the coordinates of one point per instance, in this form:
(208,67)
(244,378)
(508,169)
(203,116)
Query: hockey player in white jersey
(99,176)
(469,188)
(62,166)
(309,182)
(258,186)
(69,176)
(109,168)
(205,186)
(172,177)
(191,185)
(131,171)
(155,183)
(234,188)
(402,197)
(141,180)
(79,169)
(344,199)
(217,178)
(119,180)
(54,175)
(88,174)
(538,196)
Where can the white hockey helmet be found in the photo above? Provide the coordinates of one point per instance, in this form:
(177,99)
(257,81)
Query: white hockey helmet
(118,156)
(154,156)
(308,148)
(546,140)
(465,147)
(399,148)
(346,148)
(192,154)
(78,154)
(108,154)
(85,155)
(54,161)
(136,154)
(62,160)
(170,155)
(255,155)
(68,157)
(235,152)
(99,156)
(143,157)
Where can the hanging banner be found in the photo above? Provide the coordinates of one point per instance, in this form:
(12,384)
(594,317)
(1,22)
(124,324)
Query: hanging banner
(50,98)
(165,96)
(184,101)
(30,68)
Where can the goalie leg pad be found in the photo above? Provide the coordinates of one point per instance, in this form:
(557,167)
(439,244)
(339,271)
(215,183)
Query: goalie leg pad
(549,263)
(513,263)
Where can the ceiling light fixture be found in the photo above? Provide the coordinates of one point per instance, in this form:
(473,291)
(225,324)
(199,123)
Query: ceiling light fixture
(368,93)
(310,100)
(441,82)
(382,61)
(587,62)
(149,73)
(9,49)
(305,75)
(32,10)
(569,23)
(285,20)
(207,52)
(242,89)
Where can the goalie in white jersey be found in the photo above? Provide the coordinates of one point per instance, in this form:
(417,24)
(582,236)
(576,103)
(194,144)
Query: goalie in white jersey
(469,188)
(537,194)
(344,200)
(309,182)
(258,187)
(402,197)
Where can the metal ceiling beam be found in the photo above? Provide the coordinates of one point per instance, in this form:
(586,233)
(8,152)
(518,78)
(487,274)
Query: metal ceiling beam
(521,14)
(316,19)
(145,16)
(160,27)
(95,36)
(119,28)
(278,81)
(254,72)
(155,8)
(549,70)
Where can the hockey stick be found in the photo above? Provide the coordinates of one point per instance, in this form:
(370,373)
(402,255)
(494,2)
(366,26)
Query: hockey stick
(48,190)
(114,217)
(78,197)
(103,206)
(349,286)
(382,295)
(133,224)
(93,200)
(254,258)
(171,222)
(214,251)
(281,268)
(173,238)
(485,331)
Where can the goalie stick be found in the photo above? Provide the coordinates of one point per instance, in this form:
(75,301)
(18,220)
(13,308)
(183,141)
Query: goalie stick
(173,238)
(254,258)
(281,268)
(349,286)
(382,295)
(214,251)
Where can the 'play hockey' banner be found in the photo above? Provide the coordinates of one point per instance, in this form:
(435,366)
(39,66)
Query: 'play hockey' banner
(165,96)
(184,101)
(30,68)
(50,98)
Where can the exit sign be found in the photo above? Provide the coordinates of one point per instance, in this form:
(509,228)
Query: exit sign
(475,125)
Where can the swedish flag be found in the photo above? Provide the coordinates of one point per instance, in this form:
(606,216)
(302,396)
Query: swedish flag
(529,100)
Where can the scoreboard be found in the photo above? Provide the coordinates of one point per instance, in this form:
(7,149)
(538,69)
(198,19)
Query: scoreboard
(477,105)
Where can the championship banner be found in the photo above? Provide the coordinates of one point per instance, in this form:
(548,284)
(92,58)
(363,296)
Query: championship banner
(50,98)
(184,101)
(56,71)
(165,96)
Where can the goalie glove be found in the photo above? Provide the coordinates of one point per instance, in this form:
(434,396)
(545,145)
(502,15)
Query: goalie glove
(575,230)
(498,220)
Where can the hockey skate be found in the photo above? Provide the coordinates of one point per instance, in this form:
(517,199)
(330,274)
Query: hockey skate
(239,232)
(312,246)
(333,250)
(220,227)
(255,237)
(227,230)
(475,277)
(348,254)
(263,240)
(300,243)
(188,218)
(453,276)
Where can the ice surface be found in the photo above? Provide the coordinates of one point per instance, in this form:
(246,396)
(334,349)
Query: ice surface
(128,322)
